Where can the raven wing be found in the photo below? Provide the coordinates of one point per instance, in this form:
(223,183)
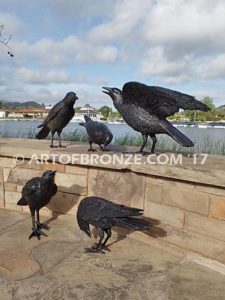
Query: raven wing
(96,208)
(33,185)
(159,101)
(53,112)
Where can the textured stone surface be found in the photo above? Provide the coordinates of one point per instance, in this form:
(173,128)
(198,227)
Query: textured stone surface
(76,170)
(6,172)
(170,215)
(192,281)
(176,184)
(56,267)
(71,183)
(217,209)
(53,166)
(153,191)
(65,203)
(8,218)
(210,189)
(166,192)
(198,243)
(187,200)
(10,187)
(12,197)
(117,186)
(212,172)
(1,188)
(15,252)
(21,176)
(209,227)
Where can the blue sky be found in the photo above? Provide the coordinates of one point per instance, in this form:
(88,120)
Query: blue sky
(82,45)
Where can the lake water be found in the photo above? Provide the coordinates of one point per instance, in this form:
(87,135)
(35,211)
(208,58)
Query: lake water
(198,135)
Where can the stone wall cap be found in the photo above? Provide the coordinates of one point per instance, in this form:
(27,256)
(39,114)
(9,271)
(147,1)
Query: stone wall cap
(192,168)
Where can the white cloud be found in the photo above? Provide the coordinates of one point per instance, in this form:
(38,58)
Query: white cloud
(72,49)
(156,63)
(212,68)
(125,17)
(38,77)
(194,22)
(11,23)
(175,42)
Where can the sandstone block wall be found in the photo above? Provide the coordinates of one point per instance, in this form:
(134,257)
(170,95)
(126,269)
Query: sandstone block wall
(193,214)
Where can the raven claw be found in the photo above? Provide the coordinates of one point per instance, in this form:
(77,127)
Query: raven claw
(37,233)
(105,248)
(94,249)
(42,225)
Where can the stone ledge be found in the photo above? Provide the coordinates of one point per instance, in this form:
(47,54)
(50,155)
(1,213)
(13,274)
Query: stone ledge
(211,173)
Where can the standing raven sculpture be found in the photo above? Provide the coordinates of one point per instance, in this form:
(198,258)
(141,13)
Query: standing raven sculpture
(98,133)
(145,108)
(103,215)
(37,193)
(58,117)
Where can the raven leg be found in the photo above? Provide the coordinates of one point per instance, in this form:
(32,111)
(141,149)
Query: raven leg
(145,138)
(35,231)
(101,147)
(97,247)
(41,225)
(91,148)
(101,235)
(60,144)
(154,140)
(52,138)
(103,245)
(106,143)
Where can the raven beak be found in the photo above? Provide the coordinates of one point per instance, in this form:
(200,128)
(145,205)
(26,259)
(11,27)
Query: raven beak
(53,172)
(108,90)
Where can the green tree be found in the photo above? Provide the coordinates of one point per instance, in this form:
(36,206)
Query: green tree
(209,115)
(198,115)
(221,112)
(106,111)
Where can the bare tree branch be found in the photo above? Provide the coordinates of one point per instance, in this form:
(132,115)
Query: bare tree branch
(5,41)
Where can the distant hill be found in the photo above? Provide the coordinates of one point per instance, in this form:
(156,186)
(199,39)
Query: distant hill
(19,105)
(221,107)
(221,110)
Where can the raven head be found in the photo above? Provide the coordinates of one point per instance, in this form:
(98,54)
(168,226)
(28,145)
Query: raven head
(114,93)
(49,175)
(87,119)
(83,225)
(70,98)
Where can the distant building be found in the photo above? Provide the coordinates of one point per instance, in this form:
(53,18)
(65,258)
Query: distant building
(48,107)
(3,113)
(89,111)
(32,113)
(87,108)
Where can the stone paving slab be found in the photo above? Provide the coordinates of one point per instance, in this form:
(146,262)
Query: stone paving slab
(56,267)
(9,218)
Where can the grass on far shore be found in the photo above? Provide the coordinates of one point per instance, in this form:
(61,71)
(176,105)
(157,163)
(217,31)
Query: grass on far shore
(208,145)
